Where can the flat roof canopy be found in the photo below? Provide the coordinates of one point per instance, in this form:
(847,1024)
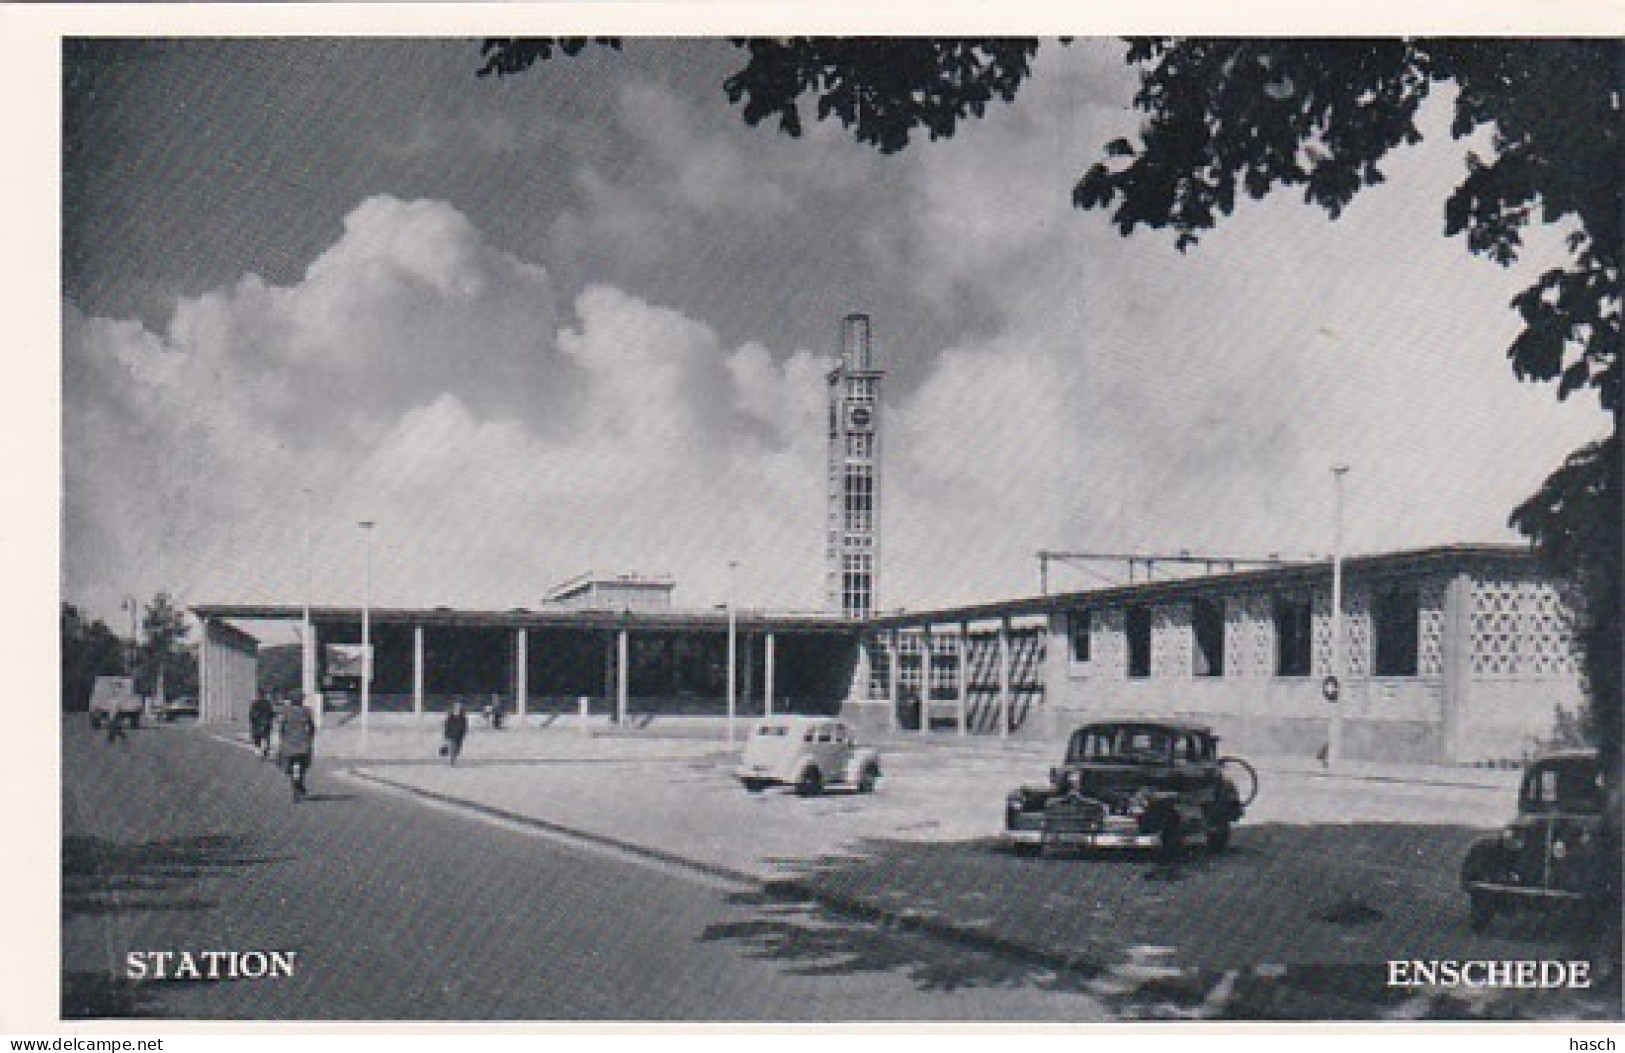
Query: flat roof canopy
(746,620)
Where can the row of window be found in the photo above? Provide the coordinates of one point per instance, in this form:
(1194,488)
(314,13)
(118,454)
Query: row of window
(1395,628)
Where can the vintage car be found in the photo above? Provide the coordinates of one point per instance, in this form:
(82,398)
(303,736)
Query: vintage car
(174,709)
(1142,783)
(114,698)
(807,753)
(1554,851)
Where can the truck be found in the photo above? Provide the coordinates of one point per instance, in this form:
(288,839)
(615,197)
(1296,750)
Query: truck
(114,698)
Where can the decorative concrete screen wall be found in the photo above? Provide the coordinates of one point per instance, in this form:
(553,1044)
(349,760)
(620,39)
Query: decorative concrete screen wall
(1521,666)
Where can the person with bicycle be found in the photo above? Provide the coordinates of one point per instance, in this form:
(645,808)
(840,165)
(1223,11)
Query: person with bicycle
(297,744)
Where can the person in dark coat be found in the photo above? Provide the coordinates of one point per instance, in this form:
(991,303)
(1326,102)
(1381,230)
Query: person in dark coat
(297,745)
(455,731)
(261,715)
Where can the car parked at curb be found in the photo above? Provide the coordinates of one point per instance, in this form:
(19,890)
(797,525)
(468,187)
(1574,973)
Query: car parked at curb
(809,754)
(1555,852)
(1137,783)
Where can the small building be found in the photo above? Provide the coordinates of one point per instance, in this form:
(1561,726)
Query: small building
(1454,654)
(623,592)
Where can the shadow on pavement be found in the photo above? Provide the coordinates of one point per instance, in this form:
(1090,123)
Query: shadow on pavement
(1293,922)
(101,876)
(95,996)
(818,941)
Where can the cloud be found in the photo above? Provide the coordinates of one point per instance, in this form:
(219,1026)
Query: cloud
(418,378)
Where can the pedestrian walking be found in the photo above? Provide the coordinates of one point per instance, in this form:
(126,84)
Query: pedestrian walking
(455,731)
(261,715)
(297,745)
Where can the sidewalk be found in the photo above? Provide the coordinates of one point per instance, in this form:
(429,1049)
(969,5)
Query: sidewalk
(405,741)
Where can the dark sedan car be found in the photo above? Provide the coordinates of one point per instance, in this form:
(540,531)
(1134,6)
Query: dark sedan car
(1135,783)
(1555,852)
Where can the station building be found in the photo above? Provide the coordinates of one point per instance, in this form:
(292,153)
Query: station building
(1451,654)
(1455,654)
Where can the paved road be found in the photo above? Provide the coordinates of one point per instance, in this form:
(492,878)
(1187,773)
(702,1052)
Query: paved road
(1327,880)
(177,841)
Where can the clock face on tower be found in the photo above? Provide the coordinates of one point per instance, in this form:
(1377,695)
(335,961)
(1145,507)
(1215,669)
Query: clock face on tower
(859,418)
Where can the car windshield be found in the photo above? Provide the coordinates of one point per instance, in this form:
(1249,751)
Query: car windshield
(1563,786)
(1134,744)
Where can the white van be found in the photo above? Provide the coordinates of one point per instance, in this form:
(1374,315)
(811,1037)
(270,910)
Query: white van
(114,698)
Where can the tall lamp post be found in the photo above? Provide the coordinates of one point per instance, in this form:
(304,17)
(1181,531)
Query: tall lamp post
(307,652)
(733,648)
(1334,686)
(366,628)
(130,605)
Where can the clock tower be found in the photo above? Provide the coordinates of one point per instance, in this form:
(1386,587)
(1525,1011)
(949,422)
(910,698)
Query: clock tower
(852,529)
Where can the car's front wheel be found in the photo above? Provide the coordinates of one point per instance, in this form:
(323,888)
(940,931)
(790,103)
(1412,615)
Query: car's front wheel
(754,785)
(1218,837)
(868,778)
(810,783)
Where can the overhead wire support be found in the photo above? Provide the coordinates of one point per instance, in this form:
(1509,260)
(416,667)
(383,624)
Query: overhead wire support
(1149,561)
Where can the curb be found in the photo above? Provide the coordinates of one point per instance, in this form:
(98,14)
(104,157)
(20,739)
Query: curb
(773,888)
(659,855)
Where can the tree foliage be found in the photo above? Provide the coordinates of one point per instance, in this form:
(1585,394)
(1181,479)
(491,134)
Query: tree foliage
(1252,116)
(164,650)
(89,649)
(883,89)
(1232,117)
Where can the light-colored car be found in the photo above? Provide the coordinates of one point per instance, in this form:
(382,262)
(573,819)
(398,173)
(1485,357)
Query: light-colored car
(809,754)
(114,698)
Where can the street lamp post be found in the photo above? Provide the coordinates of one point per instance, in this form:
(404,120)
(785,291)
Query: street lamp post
(307,649)
(366,628)
(130,605)
(1334,743)
(733,648)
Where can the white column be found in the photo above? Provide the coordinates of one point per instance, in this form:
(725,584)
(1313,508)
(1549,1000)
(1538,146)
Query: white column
(417,671)
(307,648)
(521,662)
(622,648)
(733,649)
(205,677)
(1004,677)
(964,674)
(366,631)
(767,677)
(1334,734)
(925,678)
(893,658)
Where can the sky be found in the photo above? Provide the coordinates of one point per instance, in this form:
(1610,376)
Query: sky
(581,319)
